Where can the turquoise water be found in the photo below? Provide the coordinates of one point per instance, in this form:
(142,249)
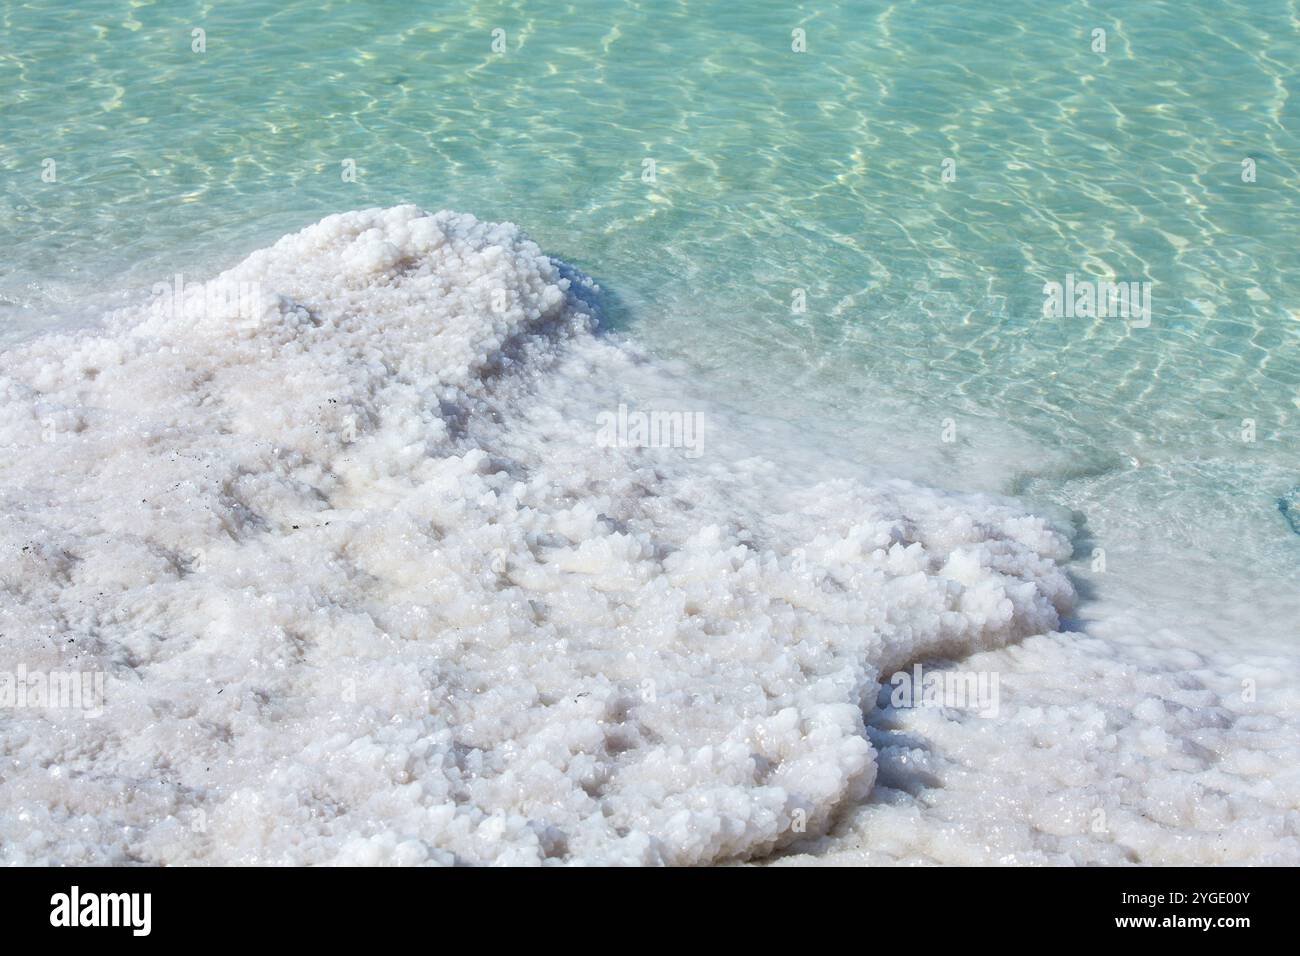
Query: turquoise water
(774,171)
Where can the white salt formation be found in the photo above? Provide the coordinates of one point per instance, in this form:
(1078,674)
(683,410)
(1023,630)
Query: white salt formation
(366,589)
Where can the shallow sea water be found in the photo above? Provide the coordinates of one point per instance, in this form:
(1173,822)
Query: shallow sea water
(820,171)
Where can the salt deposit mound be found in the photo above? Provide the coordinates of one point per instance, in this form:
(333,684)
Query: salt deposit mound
(366,589)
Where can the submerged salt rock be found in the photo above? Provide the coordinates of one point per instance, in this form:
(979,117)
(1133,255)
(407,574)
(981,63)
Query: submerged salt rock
(367,590)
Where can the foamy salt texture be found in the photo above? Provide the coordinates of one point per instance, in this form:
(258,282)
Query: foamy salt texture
(366,588)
